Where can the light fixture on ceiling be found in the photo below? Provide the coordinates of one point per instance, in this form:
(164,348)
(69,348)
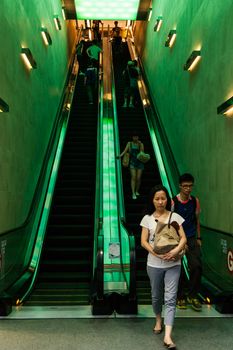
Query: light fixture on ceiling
(109,10)
(46,36)
(63,10)
(158,24)
(57,22)
(28,58)
(149,14)
(3,106)
(171,38)
(129,23)
(87,24)
(193,59)
(226,107)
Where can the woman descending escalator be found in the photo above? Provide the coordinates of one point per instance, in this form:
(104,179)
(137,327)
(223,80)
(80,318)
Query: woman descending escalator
(136,167)
(163,262)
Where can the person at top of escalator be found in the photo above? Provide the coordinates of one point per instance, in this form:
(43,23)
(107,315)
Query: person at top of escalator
(135,166)
(163,269)
(80,50)
(116,32)
(95,28)
(188,207)
(93,52)
(130,80)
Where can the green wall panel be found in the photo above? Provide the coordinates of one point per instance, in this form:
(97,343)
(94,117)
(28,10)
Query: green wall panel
(187,102)
(33,97)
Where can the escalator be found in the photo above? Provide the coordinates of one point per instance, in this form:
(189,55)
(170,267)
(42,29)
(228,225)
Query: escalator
(130,119)
(65,271)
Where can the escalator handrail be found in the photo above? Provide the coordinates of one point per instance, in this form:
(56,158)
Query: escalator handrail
(120,202)
(98,249)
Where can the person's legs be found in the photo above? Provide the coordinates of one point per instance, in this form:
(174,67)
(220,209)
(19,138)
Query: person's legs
(181,299)
(138,181)
(126,96)
(156,277)
(131,94)
(171,281)
(195,268)
(195,271)
(133,173)
(80,60)
(89,94)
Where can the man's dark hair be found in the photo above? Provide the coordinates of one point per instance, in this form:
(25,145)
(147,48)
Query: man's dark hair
(186,178)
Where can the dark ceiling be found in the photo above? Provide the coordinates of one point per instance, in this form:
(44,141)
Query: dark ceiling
(142,10)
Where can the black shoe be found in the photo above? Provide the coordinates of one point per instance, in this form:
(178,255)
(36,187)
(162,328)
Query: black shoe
(170,346)
(181,304)
(157,331)
(195,303)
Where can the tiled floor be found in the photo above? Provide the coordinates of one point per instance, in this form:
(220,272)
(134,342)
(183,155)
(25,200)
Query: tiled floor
(144,311)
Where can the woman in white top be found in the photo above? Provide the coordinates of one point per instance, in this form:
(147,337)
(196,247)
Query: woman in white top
(163,270)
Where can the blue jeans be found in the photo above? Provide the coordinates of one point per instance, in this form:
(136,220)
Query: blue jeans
(164,285)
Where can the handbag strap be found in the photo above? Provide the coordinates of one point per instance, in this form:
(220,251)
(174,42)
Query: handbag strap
(169,220)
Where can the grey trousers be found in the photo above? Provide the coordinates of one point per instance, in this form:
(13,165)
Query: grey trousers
(164,285)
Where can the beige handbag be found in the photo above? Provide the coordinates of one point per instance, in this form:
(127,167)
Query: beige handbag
(166,236)
(125,159)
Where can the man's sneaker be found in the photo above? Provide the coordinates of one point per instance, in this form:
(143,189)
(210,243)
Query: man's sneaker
(181,304)
(195,304)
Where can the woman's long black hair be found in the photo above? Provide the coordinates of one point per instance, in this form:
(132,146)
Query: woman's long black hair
(150,205)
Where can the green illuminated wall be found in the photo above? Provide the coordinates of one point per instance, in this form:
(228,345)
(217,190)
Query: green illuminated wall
(33,97)
(187,102)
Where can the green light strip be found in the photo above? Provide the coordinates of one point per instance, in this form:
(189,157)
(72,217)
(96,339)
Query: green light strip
(110,210)
(45,215)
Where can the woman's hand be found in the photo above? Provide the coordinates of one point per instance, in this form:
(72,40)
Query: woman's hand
(172,255)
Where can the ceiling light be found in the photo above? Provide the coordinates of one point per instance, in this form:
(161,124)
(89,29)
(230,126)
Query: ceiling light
(46,36)
(28,58)
(193,59)
(107,10)
(57,22)
(3,106)
(158,23)
(171,38)
(226,107)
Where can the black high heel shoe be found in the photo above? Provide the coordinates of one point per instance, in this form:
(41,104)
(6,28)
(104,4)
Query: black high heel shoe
(170,346)
(157,331)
